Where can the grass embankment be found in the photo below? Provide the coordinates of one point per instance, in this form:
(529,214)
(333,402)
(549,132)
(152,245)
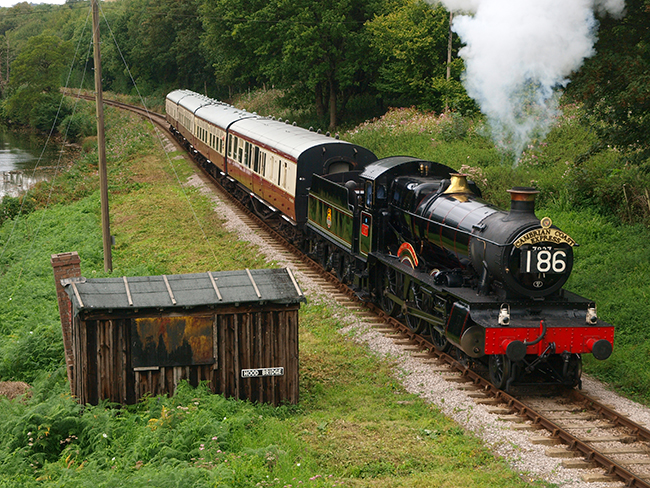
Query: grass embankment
(355,426)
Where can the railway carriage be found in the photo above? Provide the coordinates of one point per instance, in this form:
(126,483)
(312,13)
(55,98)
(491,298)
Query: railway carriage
(269,163)
(411,236)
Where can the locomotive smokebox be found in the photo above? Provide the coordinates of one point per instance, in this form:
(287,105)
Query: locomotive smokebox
(523,255)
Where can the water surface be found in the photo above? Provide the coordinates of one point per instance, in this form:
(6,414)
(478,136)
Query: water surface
(24,161)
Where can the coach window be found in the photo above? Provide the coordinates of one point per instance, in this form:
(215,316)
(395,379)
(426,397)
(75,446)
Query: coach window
(285,182)
(230,147)
(263,164)
(256,159)
(381,193)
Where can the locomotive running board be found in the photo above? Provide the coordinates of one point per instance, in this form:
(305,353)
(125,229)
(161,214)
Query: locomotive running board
(422,279)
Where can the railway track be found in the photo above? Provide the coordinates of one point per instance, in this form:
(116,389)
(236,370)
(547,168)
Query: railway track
(575,427)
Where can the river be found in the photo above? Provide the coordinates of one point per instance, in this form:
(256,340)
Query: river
(23,162)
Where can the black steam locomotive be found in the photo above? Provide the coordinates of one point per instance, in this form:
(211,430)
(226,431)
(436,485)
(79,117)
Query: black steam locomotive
(412,236)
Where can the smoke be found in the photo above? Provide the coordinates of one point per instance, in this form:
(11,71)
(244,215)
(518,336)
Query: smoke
(518,56)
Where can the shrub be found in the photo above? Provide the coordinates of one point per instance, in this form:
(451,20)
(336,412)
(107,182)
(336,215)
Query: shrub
(78,126)
(13,206)
(48,110)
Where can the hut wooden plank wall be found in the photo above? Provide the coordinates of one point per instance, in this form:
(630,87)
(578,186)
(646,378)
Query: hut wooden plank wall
(237,331)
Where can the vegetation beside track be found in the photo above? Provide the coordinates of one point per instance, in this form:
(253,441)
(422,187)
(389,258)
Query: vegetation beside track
(355,426)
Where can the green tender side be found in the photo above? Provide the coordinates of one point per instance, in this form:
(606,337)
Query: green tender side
(329,211)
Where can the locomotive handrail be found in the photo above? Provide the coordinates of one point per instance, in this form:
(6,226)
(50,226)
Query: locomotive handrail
(456,229)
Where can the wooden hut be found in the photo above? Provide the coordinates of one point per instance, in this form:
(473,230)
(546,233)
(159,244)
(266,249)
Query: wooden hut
(235,330)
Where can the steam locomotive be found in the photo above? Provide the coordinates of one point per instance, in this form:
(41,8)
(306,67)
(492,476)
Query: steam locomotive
(411,235)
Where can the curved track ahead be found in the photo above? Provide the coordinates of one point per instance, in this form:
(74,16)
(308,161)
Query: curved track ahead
(627,462)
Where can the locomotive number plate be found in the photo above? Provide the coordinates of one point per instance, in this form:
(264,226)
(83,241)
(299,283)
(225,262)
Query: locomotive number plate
(543,260)
(256,373)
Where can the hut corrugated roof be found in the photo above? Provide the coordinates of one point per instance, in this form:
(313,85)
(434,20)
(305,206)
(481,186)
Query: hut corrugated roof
(184,291)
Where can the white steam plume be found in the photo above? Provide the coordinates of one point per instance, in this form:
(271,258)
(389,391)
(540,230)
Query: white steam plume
(518,53)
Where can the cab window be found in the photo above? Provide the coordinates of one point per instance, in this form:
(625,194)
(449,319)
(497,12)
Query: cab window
(369,194)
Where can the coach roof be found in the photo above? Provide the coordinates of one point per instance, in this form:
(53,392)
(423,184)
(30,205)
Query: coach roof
(283,137)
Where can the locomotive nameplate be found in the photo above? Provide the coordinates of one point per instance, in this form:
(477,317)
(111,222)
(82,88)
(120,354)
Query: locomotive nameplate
(555,236)
(256,373)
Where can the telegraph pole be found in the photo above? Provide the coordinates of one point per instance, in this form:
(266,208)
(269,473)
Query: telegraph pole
(101,142)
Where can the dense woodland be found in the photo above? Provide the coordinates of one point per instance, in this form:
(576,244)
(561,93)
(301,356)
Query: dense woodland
(338,60)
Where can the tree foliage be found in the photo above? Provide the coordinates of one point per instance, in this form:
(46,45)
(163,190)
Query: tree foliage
(412,40)
(35,81)
(158,41)
(321,54)
(317,50)
(614,85)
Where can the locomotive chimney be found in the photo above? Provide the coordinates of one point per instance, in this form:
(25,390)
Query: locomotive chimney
(522,200)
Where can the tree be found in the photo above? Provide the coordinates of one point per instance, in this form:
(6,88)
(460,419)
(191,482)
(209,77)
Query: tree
(36,79)
(614,85)
(327,52)
(239,37)
(316,50)
(159,40)
(412,40)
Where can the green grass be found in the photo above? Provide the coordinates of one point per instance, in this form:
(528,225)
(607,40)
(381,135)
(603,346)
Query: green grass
(355,425)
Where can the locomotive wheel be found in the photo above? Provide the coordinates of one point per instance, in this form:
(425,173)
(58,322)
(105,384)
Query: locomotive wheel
(500,369)
(344,270)
(332,261)
(462,358)
(415,300)
(323,255)
(440,342)
(313,249)
(389,285)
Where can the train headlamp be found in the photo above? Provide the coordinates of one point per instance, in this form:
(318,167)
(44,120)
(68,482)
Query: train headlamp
(592,317)
(504,314)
